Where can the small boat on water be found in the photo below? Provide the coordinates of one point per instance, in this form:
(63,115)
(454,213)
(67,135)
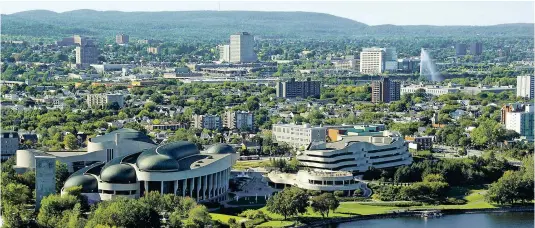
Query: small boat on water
(431,214)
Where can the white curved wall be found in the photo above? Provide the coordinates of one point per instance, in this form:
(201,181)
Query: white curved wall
(363,156)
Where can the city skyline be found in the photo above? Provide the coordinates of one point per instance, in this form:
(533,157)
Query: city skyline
(396,13)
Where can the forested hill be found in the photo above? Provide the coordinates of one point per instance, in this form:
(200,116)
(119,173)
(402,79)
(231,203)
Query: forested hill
(217,25)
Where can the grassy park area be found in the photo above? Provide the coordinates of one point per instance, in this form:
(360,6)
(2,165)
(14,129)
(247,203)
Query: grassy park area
(474,198)
(243,165)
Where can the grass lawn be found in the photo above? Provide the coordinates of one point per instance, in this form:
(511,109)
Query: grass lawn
(475,200)
(224,218)
(362,209)
(276,224)
(242,165)
(244,200)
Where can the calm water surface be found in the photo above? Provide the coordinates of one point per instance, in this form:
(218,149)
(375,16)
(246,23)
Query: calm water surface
(490,220)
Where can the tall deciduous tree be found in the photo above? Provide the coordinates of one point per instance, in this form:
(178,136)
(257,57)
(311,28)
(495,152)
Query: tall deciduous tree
(324,203)
(288,202)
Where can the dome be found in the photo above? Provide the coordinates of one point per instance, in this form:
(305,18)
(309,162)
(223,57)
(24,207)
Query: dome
(157,162)
(220,148)
(124,134)
(119,173)
(178,150)
(89,183)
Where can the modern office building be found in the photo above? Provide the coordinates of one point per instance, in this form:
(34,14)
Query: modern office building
(408,65)
(68,41)
(525,86)
(460,49)
(318,180)
(293,88)
(224,53)
(358,149)
(519,118)
(385,90)
(420,142)
(103,100)
(86,52)
(372,61)
(298,136)
(210,122)
(346,64)
(476,48)
(9,144)
(176,168)
(99,149)
(238,120)
(154,50)
(242,48)
(121,39)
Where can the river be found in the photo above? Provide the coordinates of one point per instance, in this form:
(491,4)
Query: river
(488,220)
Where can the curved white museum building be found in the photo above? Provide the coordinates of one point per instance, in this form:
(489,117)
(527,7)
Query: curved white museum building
(319,180)
(358,153)
(178,168)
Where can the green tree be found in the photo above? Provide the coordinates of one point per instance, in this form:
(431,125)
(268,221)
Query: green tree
(62,173)
(52,209)
(71,142)
(324,203)
(124,212)
(15,194)
(199,217)
(288,202)
(16,216)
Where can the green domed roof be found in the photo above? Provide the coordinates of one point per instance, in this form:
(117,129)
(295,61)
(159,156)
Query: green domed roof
(220,148)
(119,173)
(165,158)
(124,134)
(178,150)
(89,183)
(156,162)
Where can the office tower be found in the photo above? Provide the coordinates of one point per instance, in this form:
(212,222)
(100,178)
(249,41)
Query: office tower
(385,90)
(121,39)
(524,86)
(372,60)
(304,89)
(86,51)
(224,53)
(242,48)
(238,120)
(460,49)
(476,48)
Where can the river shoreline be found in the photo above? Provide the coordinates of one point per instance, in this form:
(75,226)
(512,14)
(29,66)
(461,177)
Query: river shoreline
(414,213)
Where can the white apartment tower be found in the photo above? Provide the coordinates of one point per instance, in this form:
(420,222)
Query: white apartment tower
(224,53)
(525,86)
(372,60)
(102,100)
(238,120)
(241,48)
(210,122)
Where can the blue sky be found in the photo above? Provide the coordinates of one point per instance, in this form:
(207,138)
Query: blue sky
(372,13)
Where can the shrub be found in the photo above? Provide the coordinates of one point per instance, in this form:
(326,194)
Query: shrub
(455,201)
(339,193)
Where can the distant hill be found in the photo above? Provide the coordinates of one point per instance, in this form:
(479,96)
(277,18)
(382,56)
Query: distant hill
(218,25)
